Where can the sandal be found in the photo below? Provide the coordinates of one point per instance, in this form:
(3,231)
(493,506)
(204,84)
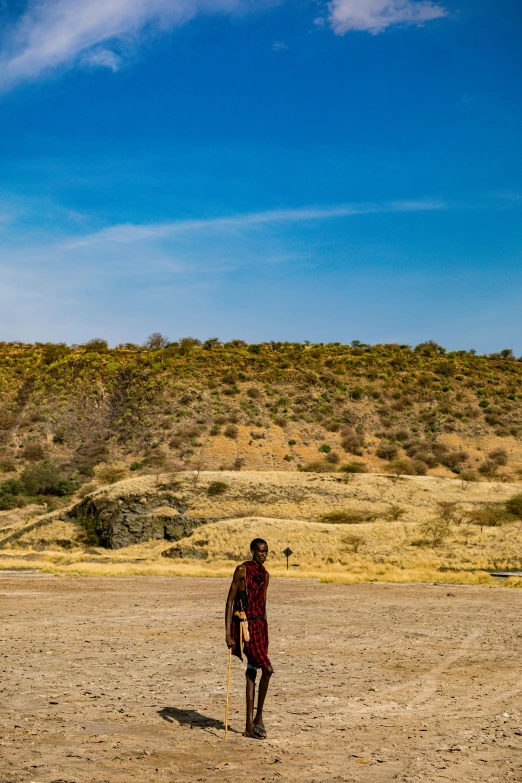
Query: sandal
(253,735)
(260,730)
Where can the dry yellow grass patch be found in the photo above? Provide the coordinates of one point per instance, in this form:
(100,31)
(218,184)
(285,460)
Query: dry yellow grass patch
(279,507)
(380,551)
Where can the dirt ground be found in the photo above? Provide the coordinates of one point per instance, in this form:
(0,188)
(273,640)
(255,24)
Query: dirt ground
(112,680)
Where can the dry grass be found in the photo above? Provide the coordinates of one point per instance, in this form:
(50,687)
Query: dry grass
(389,552)
(285,509)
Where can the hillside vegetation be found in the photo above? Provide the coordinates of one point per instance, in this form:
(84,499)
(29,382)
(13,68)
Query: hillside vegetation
(274,406)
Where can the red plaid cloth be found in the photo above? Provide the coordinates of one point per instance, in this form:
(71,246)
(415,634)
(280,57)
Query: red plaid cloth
(256,650)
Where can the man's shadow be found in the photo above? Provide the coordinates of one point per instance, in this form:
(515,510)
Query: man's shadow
(191,718)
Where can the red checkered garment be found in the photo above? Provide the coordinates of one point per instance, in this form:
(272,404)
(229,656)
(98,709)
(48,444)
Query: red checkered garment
(256,650)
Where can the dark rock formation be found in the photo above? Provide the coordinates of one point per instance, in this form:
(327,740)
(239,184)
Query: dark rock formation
(137,510)
(192,552)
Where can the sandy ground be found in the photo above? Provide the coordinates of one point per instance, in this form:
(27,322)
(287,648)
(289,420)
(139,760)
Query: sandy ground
(109,680)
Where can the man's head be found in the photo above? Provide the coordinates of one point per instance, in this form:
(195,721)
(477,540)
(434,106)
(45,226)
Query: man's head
(259,549)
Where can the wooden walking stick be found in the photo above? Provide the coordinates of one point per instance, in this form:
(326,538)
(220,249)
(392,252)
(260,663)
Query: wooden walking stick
(228,690)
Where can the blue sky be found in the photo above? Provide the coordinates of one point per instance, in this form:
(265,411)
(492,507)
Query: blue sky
(277,169)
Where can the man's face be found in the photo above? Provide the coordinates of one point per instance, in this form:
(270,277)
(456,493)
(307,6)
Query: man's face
(260,553)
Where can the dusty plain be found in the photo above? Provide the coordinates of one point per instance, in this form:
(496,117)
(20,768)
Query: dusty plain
(113,680)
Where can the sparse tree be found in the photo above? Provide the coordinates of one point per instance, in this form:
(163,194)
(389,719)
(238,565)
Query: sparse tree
(156,341)
(400,467)
(353,541)
(395,513)
(466,478)
(435,531)
(96,345)
(449,511)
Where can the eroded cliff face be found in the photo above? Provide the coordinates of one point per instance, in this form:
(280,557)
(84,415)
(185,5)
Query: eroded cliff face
(136,510)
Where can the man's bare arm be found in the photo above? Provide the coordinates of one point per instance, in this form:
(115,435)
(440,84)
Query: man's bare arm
(266,588)
(239,574)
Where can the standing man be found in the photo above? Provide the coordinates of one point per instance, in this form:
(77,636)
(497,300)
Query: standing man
(248,594)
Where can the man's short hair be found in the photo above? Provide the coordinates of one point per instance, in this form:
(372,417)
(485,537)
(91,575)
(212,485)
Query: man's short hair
(255,543)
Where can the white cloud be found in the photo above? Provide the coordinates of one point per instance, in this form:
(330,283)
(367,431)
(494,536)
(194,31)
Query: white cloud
(129,233)
(59,33)
(65,282)
(56,33)
(102,58)
(374,16)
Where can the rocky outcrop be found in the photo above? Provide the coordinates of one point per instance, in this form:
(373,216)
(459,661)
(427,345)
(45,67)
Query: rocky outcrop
(191,552)
(142,509)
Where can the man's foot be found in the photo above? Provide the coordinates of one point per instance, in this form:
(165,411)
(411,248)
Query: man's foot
(253,735)
(260,729)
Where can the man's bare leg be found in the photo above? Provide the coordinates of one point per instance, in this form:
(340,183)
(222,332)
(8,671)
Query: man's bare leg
(263,688)
(250,698)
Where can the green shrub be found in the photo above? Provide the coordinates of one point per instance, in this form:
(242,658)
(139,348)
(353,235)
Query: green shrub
(135,465)
(333,458)
(500,456)
(318,466)
(110,474)
(67,487)
(419,467)
(96,345)
(332,426)
(230,431)
(43,478)
(353,467)
(8,501)
(453,459)
(325,448)
(352,441)
(292,442)
(7,465)
(488,469)
(217,488)
(89,455)
(514,505)
(387,451)
(12,487)
(33,451)
(346,517)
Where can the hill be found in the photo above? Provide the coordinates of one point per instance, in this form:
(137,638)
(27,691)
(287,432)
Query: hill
(272,406)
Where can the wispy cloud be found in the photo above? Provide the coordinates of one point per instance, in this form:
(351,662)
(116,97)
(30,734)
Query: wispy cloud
(102,58)
(128,233)
(64,279)
(61,32)
(375,16)
(55,34)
